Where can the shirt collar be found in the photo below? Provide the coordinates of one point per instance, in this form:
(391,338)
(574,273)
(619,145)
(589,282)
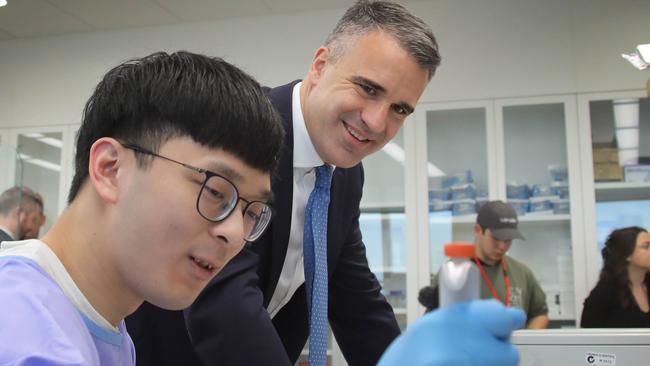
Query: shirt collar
(304,152)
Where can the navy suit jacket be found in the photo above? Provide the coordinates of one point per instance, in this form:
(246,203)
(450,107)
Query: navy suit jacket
(4,236)
(229,324)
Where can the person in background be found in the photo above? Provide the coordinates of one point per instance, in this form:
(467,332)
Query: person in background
(503,277)
(166,191)
(620,298)
(260,310)
(21,214)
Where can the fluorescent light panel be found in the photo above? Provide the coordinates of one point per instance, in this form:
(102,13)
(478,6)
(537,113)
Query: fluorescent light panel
(397,153)
(40,162)
(45,139)
(644,52)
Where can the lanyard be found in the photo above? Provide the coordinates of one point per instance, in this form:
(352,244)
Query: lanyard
(489,282)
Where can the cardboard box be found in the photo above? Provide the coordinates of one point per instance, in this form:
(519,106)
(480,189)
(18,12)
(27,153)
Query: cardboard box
(608,172)
(605,155)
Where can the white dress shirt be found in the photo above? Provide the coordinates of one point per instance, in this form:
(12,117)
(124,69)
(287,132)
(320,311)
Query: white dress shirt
(305,159)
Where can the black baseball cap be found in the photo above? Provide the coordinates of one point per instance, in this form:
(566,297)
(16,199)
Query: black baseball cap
(501,219)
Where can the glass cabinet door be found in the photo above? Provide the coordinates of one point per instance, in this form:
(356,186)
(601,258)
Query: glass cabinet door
(382,222)
(515,151)
(459,159)
(40,154)
(536,183)
(617,138)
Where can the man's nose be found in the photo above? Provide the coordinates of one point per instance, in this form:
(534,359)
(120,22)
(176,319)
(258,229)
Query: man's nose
(231,229)
(375,116)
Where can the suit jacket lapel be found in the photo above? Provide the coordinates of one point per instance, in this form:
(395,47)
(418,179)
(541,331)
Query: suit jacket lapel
(282,186)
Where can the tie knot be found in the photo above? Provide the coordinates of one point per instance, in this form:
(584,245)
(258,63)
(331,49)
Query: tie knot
(323,177)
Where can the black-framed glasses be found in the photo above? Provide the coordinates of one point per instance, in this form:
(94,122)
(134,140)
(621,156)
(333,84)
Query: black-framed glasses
(218,198)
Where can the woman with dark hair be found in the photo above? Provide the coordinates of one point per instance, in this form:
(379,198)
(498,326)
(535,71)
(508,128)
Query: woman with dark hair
(620,299)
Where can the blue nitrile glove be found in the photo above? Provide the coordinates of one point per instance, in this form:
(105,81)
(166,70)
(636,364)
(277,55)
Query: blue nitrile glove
(467,333)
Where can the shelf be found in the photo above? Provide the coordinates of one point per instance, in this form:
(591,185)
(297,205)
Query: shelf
(622,191)
(388,207)
(471,219)
(399,311)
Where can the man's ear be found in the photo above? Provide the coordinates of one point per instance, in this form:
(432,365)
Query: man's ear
(106,160)
(321,59)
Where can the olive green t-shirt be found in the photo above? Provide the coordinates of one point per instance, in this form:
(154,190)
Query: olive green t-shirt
(525,291)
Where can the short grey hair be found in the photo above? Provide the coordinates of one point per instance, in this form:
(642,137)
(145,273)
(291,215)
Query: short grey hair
(18,197)
(411,32)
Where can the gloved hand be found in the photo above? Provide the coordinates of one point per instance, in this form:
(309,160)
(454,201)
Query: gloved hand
(467,333)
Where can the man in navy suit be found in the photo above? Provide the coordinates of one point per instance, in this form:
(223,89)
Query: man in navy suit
(362,84)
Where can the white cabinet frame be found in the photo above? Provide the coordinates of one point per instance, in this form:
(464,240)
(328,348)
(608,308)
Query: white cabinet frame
(418,273)
(576,187)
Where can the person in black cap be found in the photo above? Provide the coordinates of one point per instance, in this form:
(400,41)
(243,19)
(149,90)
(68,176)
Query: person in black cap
(503,277)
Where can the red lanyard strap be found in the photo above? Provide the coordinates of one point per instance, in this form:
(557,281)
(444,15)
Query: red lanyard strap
(491,285)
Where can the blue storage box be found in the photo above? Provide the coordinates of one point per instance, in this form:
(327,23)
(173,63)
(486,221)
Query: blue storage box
(463,207)
(541,204)
(560,189)
(518,191)
(439,194)
(457,179)
(521,206)
(541,190)
(561,206)
(463,191)
(481,192)
(439,205)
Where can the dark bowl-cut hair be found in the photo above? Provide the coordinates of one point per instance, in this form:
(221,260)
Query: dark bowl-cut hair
(150,100)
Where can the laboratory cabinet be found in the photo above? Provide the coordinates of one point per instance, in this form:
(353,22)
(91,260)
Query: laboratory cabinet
(522,151)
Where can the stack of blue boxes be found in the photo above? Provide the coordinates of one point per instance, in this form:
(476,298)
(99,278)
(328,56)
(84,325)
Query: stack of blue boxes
(550,198)
(457,193)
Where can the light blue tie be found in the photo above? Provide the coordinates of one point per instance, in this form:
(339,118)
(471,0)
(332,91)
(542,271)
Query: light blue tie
(315,256)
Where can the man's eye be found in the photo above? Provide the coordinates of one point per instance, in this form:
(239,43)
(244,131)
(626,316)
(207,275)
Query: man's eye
(214,193)
(253,215)
(400,110)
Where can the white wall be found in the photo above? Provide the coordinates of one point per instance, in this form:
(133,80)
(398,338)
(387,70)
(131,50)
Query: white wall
(490,48)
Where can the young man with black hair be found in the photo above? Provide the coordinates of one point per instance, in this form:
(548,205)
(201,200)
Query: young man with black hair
(167,190)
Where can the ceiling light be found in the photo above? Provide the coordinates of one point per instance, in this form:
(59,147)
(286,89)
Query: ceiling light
(39,162)
(639,58)
(644,51)
(3,3)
